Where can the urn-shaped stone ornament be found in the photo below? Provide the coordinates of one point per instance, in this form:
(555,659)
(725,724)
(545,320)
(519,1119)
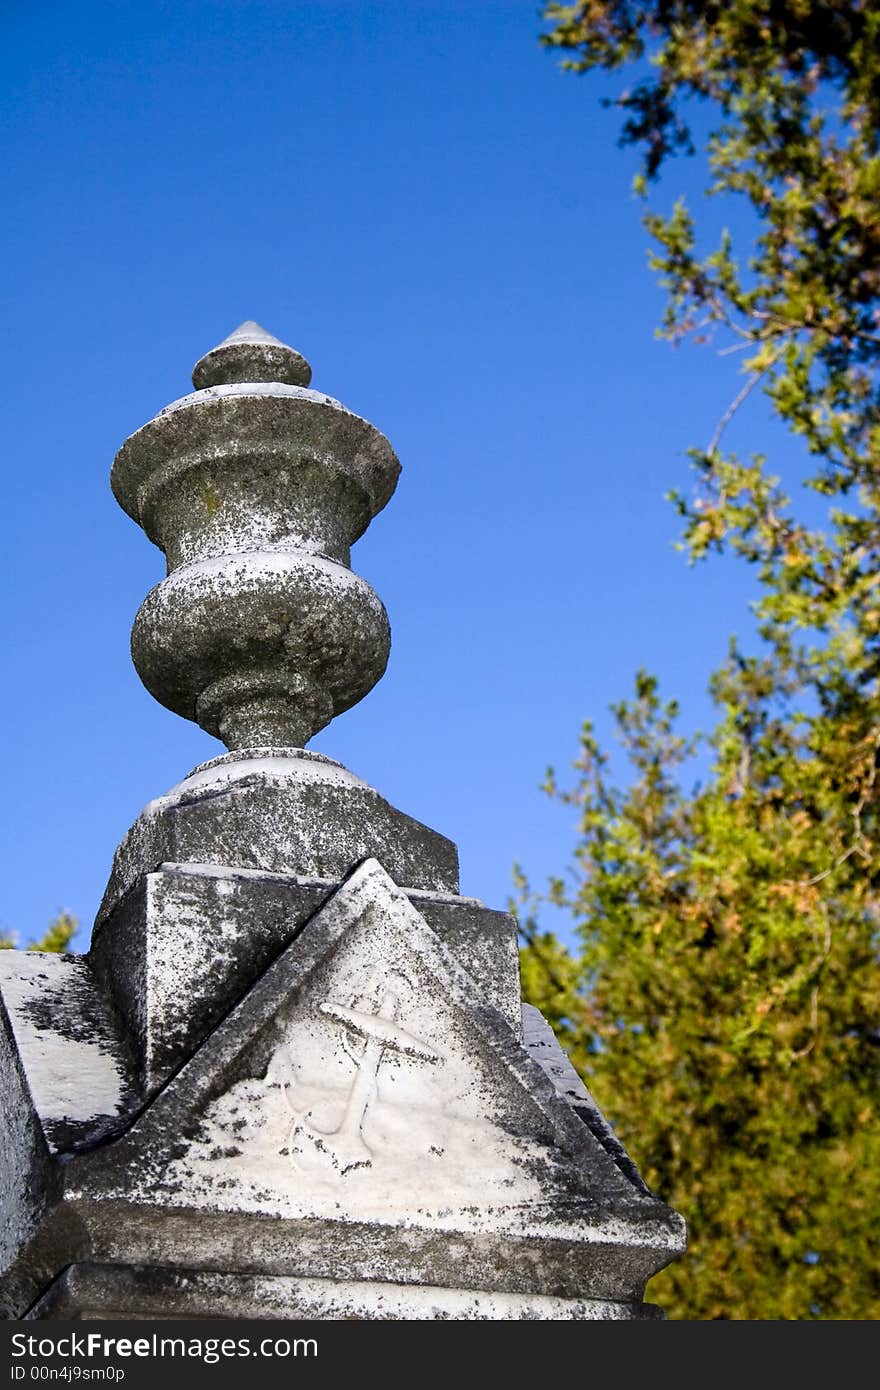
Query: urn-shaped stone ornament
(255,487)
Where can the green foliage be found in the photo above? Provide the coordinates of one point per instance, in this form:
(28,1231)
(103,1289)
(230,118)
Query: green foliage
(725,1000)
(724,1006)
(57,936)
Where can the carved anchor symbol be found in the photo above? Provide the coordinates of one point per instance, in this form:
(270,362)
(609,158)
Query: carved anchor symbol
(345,1146)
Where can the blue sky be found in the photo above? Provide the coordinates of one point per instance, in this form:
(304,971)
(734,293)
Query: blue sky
(417,199)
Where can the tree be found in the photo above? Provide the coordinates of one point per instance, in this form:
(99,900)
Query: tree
(57,936)
(725,999)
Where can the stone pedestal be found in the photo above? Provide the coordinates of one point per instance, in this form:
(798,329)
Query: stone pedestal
(292,1077)
(327,1104)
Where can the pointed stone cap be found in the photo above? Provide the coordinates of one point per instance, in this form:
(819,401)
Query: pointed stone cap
(251,354)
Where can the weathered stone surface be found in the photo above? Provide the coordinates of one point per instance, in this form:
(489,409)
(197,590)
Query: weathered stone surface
(254,467)
(541,1044)
(108,1291)
(255,489)
(265,647)
(251,354)
(27,1189)
(70,1043)
(283,811)
(173,980)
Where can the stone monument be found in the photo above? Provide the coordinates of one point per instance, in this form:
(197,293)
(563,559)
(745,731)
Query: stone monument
(292,1077)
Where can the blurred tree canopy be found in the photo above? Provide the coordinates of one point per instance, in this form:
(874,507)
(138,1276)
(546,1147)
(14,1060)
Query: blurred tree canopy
(724,1000)
(57,936)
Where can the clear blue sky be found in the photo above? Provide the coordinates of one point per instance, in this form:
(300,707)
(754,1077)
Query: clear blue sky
(416,198)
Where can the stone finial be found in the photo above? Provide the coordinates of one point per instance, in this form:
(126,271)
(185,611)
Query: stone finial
(255,488)
(251,354)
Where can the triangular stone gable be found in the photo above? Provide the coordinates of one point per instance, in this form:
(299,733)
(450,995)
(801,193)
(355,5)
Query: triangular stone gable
(363,1078)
